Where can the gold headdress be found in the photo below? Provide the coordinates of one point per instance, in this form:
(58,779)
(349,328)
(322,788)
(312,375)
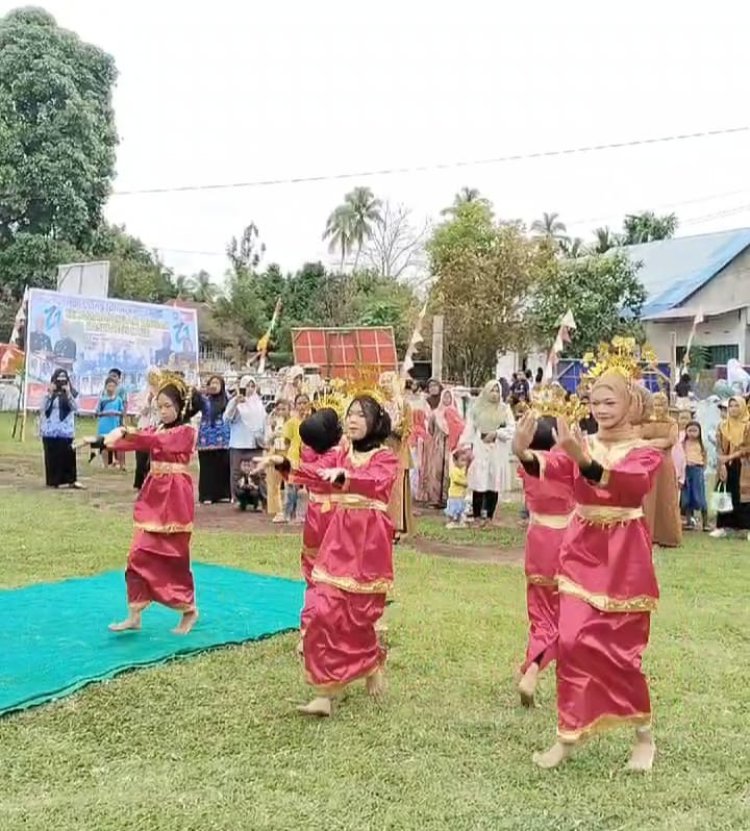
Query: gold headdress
(364,380)
(552,400)
(159,379)
(621,355)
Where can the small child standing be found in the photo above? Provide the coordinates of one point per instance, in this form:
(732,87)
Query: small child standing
(248,489)
(110,414)
(694,490)
(295,501)
(458,484)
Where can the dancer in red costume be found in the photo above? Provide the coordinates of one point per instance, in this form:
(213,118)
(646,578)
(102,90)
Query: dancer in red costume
(354,569)
(550,506)
(158,567)
(606,581)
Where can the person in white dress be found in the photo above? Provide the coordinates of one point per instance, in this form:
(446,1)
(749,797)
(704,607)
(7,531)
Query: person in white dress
(489,430)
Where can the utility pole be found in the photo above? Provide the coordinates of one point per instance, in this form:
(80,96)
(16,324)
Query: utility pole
(437,347)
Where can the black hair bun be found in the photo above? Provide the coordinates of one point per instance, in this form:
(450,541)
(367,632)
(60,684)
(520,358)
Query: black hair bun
(544,437)
(321,431)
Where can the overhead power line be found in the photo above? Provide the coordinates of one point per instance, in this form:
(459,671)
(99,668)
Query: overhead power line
(393,171)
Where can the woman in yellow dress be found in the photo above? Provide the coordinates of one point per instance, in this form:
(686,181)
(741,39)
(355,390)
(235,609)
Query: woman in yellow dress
(662,505)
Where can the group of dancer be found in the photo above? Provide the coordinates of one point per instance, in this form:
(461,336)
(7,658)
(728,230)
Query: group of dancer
(591,584)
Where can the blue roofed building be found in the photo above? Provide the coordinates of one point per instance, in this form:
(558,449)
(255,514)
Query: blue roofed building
(707,275)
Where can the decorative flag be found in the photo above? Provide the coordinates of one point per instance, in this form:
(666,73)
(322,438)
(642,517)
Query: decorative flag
(416,339)
(567,325)
(697,320)
(265,340)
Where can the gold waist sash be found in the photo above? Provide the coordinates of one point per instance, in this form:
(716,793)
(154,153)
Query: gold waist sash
(347,500)
(168,468)
(556,521)
(607,515)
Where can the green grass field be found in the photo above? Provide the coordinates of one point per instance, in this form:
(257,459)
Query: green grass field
(213,742)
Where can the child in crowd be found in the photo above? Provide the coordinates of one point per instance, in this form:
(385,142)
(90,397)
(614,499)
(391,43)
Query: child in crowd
(456,508)
(248,489)
(295,499)
(110,413)
(694,489)
(276,443)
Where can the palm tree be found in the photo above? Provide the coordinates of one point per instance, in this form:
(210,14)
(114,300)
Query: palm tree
(183,285)
(204,291)
(365,212)
(551,227)
(605,240)
(464,197)
(573,248)
(339,231)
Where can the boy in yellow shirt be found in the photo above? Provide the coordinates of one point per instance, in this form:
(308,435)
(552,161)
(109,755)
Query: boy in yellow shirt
(294,505)
(458,484)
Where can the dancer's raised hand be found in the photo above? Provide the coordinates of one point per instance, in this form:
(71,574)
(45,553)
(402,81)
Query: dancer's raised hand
(570,440)
(524,434)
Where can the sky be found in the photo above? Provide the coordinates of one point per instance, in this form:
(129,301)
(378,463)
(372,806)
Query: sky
(226,92)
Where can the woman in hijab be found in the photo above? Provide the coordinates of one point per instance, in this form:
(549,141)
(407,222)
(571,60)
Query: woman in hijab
(434,481)
(446,428)
(488,431)
(662,505)
(733,445)
(246,417)
(213,445)
(58,429)
(606,580)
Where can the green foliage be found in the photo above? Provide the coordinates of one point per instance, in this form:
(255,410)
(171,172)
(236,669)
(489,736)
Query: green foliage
(57,131)
(351,224)
(648,227)
(484,271)
(604,294)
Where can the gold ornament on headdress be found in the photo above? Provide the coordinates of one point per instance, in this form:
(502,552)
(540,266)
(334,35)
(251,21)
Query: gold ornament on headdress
(552,400)
(159,379)
(364,380)
(621,355)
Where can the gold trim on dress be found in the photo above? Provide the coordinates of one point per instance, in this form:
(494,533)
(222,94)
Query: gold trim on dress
(309,551)
(168,468)
(361,458)
(557,521)
(605,603)
(608,455)
(172,528)
(541,580)
(608,721)
(606,516)
(347,500)
(349,584)
(541,460)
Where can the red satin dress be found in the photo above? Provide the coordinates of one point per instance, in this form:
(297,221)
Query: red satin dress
(607,589)
(352,575)
(550,505)
(158,567)
(318,513)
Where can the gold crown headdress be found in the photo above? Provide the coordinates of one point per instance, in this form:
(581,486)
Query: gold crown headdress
(621,355)
(159,379)
(364,380)
(551,400)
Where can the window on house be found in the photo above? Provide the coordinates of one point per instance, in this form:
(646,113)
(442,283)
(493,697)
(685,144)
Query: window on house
(707,357)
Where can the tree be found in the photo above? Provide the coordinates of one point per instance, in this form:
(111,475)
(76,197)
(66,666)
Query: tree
(604,294)
(246,252)
(395,246)
(483,271)
(135,273)
(351,224)
(648,227)
(551,227)
(57,130)
(573,248)
(202,288)
(464,197)
(365,213)
(604,240)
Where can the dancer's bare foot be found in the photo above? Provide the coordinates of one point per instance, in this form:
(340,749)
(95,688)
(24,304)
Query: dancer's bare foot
(321,707)
(644,751)
(376,685)
(187,621)
(527,685)
(553,757)
(132,622)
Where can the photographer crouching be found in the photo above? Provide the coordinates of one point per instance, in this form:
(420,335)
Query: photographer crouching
(58,428)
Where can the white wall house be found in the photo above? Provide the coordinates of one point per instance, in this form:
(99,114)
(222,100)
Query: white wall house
(708,274)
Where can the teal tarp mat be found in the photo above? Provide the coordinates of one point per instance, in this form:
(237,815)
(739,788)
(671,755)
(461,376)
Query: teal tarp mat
(55,638)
